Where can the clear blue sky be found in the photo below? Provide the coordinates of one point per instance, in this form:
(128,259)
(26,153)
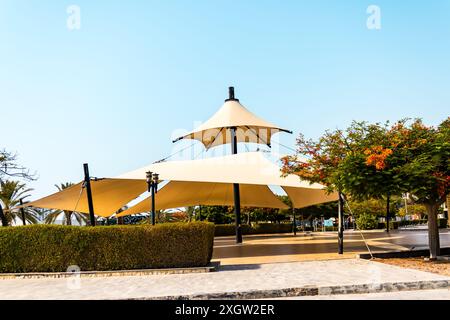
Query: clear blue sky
(114,92)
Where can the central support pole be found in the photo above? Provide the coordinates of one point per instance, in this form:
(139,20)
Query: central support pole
(22,212)
(236,193)
(341,224)
(87,184)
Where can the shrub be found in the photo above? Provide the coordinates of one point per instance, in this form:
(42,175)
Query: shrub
(366,221)
(50,248)
(393,225)
(404,223)
(442,223)
(229,229)
(269,228)
(263,228)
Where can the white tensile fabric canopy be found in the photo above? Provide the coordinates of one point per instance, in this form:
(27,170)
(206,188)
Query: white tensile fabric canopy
(242,168)
(250,168)
(193,182)
(109,195)
(185,193)
(249,127)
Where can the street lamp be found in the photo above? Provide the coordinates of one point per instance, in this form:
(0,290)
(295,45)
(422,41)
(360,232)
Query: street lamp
(152,182)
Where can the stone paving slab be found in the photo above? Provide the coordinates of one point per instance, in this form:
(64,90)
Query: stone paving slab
(437,294)
(280,248)
(301,276)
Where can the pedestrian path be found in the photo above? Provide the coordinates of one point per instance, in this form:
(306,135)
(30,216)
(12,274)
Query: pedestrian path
(437,294)
(237,281)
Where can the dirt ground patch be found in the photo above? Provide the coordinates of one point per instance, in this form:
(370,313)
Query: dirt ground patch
(440,267)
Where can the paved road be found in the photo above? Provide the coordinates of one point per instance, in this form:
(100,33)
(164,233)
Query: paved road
(239,278)
(317,246)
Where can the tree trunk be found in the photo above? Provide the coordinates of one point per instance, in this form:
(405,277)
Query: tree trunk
(68,218)
(433,230)
(448,210)
(3,217)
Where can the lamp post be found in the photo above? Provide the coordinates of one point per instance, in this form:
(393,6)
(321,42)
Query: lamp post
(152,182)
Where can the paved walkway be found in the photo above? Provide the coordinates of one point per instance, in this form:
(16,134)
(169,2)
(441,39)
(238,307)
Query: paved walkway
(317,246)
(440,294)
(238,278)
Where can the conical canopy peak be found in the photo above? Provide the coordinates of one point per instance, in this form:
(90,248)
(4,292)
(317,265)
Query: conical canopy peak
(249,127)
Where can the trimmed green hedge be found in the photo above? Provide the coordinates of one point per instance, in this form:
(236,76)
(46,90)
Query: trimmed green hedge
(263,228)
(405,223)
(50,248)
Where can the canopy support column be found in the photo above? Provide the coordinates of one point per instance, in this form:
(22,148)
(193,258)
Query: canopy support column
(388,214)
(87,184)
(341,224)
(22,212)
(237,197)
(295,223)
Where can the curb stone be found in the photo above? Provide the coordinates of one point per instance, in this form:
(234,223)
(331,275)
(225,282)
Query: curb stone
(212,267)
(310,291)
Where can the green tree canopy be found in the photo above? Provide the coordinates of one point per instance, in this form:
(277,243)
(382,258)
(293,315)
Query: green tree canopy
(374,160)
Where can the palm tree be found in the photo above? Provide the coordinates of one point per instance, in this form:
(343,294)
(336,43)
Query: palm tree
(190,213)
(165,216)
(67,214)
(11,193)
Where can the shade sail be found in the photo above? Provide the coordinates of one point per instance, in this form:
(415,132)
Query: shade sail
(194,182)
(109,195)
(305,197)
(184,193)
(249,127)
(242,168)
(250,168)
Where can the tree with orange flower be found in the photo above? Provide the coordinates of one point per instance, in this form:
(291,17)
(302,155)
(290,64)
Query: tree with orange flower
(379,160)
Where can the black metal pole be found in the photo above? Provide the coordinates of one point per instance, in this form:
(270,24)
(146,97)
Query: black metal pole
(341,224)
(22,212)
(387,212)
(87,184)
(153,203)
(236,193)
(3,217)
(295,224)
